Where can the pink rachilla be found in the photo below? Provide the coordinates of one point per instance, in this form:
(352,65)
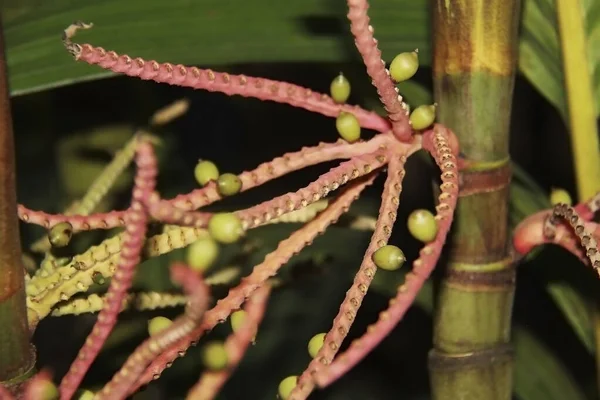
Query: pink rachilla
(390,149)
(568,227)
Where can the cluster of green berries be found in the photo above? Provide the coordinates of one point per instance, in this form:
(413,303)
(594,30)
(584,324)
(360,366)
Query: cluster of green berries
(403,67)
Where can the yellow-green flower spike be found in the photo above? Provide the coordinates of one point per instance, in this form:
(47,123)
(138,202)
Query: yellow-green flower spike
(237,320)
(422,225)
(60,234)
(560,196)
(404,66)
(348,127)
(389,257)
(315,344)
(202,253)
(422,117)
(205,172)
(229,184)
(286,386)
(214,356)
(340,89)
(225,228)
(158,324)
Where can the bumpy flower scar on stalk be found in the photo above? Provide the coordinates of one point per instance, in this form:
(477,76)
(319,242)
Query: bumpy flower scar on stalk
(569,227)
(400,135)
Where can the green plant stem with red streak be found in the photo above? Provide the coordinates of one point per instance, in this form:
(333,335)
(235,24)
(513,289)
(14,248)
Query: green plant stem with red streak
(474,69)
(16,355)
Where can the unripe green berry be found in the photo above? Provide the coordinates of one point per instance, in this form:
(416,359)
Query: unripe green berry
(98,278)
(286,386)
(560,196)
(389,257)
(47,390)
(60,234)
(85,395)
(315,344)
(237,320)
(158,324)
(340,89)
(202,253)
(225,227)
(422,225)
(205,172)
(214,356)
(404,66)
(422,117)
(348,127)
(229,184)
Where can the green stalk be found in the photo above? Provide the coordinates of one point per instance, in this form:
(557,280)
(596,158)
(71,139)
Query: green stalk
(475,43)
(16,355)
(582,114)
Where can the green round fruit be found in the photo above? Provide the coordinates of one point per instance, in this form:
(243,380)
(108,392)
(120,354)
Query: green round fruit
(205,172)
(286,386)
(214,356)
(86,395)
(202,253)
(558,196)
(225,228)
(47,390)
(60,234)
(315,344)
(422,117)
(348,127)
(389,257)
(422,225)
(229,184)
(340,89)
(158,324)
(404,66)
(237,320)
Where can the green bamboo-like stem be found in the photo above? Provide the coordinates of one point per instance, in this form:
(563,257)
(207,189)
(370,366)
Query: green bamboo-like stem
(16,357)
(474,70)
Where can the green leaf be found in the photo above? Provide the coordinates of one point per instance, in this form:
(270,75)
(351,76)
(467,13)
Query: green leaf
(526,198)
(538,373)
(208,32)
(576,311)
(540,54)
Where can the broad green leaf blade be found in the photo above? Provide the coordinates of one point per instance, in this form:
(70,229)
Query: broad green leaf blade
(527,198)
(540,54)
(576,311)
(538,373)
(208,32)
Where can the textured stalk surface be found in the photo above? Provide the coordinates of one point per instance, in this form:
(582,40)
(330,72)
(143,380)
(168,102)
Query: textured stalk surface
(15,354)
(474,68)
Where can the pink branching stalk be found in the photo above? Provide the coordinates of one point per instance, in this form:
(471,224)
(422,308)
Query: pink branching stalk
(367,47)
(211,382)
(422,268)
(260,274)
(5,394)
(199,296)
(107,220)
(196,78)
(133,242)
(355,295)
(366,159)
(568,227)
(208,194)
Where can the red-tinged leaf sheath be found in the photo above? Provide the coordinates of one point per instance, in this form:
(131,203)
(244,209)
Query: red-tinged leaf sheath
(16,355)
(474,70)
